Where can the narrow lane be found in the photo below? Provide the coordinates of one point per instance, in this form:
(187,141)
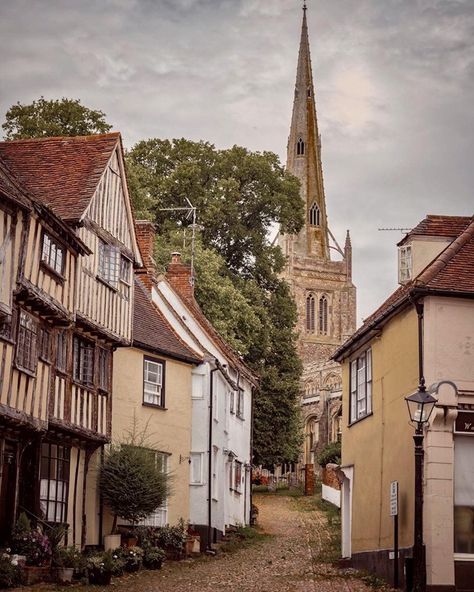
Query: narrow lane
(291,559)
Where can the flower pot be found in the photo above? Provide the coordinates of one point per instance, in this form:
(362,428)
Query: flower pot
(34,574)
(64,574)
(133,567)
(112,541)
(130,541)
(99,578)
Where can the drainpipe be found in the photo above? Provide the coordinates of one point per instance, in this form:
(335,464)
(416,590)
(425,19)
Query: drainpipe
(252,394)
(209,465)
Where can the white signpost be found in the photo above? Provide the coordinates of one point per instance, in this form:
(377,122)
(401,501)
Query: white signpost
(394,513)
(394,498)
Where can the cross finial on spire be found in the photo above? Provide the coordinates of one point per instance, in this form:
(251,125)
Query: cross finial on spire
(305,8)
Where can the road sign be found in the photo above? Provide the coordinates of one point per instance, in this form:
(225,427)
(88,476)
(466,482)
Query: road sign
(394,498)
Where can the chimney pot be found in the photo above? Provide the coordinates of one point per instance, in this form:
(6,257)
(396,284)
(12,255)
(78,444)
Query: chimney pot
(176,257)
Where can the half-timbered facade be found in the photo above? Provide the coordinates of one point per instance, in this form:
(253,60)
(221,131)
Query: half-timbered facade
(71,298)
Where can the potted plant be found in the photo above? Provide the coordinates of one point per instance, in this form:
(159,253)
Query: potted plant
(102,566)
(10,573)
(133,558)
(66,560)
(129,538)
(153,557)
(36,548)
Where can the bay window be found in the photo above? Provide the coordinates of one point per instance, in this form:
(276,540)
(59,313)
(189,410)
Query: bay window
(27,342)
(109,263)
(52,254)
(83,361)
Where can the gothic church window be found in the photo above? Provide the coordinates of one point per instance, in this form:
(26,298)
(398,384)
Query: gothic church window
(314,215)
(323,315)
(310,313)
(300,147)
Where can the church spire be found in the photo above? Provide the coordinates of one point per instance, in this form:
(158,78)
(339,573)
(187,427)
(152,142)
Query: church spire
(304,157)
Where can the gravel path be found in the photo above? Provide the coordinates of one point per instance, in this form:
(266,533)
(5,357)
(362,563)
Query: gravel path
(290,560)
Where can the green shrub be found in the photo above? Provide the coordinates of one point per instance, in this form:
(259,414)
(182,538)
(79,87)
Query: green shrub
(10,575)
(331,453)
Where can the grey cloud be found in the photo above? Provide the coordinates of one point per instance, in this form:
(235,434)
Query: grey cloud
(395,88)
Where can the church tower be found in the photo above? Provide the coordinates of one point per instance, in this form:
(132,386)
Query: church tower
(321,285)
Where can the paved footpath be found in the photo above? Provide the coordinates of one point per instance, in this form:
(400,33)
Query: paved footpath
(290,560)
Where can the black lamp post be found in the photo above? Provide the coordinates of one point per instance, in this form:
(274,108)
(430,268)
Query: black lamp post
(420,406)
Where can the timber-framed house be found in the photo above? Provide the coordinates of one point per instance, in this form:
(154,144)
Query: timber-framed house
(68,249)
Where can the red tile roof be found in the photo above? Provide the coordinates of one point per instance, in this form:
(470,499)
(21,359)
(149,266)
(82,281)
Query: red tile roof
(62,173)
(10,187)
(450,273)
(153,332)
(439,226)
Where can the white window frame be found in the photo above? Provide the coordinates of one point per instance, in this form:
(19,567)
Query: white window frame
(109,263)
(215,473)
(198,385)
(360,390)
(53,254)
(153,392)
(240,403)
(405,263)
(160,516)
(200,480)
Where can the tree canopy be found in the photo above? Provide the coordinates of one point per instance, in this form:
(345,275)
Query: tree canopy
(239,196)
(43,118)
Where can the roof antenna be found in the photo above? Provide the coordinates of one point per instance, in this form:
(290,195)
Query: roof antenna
(190,213)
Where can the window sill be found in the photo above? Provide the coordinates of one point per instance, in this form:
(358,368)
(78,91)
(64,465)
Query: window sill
(106,283)
(241,417)
(161,407)
(89,387)
(360,419)
(197,484)
(31,373)
(55,274)
(45,361)
(7,339)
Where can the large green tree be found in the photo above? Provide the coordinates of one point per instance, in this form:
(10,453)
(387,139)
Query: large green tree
(60,117)
(240,196)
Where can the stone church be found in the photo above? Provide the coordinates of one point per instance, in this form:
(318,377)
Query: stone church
(318,271)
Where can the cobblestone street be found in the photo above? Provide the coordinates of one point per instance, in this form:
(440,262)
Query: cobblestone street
(292,558)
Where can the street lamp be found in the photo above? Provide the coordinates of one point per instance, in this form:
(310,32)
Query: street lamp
(420,406)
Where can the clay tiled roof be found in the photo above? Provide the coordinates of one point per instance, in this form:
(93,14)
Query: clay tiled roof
(10,187)
(62,173)
(152,332)
(439,226)
(450,273)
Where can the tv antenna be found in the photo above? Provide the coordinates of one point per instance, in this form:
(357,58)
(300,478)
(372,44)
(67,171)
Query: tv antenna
(191,215)
(403,230)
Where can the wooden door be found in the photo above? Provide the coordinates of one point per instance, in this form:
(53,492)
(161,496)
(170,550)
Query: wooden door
(7,490)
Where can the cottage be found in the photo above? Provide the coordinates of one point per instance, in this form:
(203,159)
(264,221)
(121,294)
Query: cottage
(423,333)
(69,302)
(222,385)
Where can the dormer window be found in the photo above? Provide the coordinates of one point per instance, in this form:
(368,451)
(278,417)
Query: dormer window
(405,264)
(300,147)
(314,215)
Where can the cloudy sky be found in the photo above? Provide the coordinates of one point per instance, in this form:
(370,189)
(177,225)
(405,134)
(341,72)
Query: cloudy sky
(394,78)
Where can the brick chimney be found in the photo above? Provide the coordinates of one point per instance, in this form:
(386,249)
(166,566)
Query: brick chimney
(145,231)
(180,277)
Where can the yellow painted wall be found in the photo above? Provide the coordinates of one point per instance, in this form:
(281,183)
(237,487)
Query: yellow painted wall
(169,429)
(380,446)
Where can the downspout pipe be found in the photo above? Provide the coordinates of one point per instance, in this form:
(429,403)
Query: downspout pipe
(209,464)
